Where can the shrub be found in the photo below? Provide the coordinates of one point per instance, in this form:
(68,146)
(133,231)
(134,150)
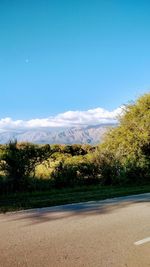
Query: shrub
(18,161)
(108,167)
(75,171)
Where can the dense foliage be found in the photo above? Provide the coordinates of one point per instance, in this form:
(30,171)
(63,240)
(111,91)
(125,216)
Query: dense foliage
(122,158)
(18,162)
(129,142)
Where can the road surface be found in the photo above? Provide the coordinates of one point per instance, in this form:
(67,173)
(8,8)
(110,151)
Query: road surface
(113,232)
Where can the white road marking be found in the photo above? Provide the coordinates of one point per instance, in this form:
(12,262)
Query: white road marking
(140,242)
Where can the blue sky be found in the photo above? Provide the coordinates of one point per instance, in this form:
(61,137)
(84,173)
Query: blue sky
(63,55)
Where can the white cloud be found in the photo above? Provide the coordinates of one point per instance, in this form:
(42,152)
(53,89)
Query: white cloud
(67,119)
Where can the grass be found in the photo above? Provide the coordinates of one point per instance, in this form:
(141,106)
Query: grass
(19,201)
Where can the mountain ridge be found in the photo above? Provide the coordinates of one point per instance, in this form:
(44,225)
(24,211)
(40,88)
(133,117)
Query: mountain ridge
(91,134)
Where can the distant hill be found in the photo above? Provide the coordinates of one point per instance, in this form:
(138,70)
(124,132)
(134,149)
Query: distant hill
(78,135)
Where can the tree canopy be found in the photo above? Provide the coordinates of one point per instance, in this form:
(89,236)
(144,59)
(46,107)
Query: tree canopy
(129,142)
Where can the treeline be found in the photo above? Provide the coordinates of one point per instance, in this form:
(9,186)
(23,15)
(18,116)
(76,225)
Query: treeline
(19,164)
(122,158)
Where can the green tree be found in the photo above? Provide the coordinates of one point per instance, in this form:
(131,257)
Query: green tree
(18,161)
(129,142)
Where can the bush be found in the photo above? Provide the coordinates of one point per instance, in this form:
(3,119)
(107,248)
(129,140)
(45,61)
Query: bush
(108,167)
(75,171)
(18,161)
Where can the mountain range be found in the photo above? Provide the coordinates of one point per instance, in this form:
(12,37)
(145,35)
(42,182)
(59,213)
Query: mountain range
(73,135)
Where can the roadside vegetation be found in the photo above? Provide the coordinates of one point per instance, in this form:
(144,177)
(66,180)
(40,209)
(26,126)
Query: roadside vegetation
(53,174)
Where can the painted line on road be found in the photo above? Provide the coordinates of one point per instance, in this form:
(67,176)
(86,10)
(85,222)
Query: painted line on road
(140,242)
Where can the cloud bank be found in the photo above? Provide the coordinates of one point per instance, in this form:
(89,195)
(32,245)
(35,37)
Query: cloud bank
(66,119)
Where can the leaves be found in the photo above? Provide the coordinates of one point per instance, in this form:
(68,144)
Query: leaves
(18,161)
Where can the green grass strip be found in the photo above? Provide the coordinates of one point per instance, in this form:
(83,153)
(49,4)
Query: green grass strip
(20,201)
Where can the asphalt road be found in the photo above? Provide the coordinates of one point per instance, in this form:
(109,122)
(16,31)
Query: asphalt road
(113,232)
